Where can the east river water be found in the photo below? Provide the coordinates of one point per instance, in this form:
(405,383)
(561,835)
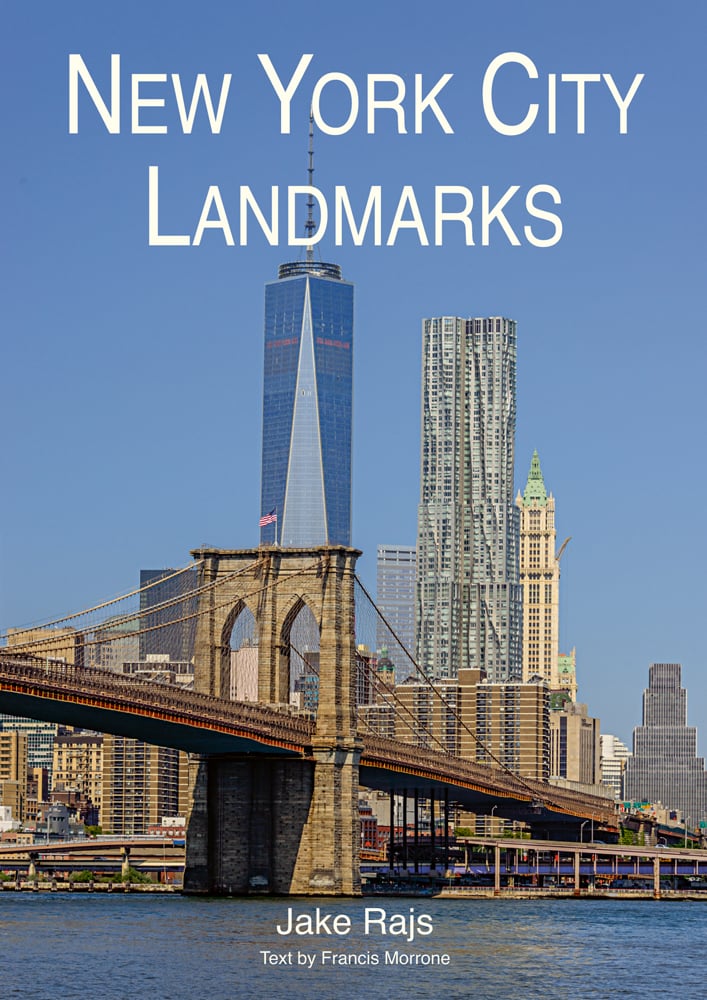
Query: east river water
(63,946)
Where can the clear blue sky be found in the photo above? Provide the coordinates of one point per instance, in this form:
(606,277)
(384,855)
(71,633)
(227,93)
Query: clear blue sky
(132,374)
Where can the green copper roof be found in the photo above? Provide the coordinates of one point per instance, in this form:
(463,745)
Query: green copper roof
(535,487)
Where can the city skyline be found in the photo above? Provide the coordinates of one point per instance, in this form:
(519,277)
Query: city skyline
(104,333)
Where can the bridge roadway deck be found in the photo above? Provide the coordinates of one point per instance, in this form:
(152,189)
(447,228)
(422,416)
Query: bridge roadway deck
(90,845)
(202,724)
(630,852)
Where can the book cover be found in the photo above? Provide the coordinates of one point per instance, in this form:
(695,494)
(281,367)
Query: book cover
(542,162)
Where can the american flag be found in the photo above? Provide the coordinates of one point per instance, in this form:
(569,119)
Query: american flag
(270,518)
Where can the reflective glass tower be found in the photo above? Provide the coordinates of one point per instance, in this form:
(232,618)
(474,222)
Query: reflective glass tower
(395,596)
(307,407)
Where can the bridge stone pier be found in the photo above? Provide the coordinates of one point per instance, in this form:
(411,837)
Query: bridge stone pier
(278,822)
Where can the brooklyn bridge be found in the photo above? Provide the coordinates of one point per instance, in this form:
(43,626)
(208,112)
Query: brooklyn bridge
(274,789)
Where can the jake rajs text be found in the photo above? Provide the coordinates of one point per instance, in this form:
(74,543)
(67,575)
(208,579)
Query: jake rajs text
(376,921)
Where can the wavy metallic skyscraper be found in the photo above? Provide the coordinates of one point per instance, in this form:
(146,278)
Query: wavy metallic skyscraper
(468,594)
(307,407)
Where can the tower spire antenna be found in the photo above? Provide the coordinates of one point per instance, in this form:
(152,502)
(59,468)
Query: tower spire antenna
(309,225)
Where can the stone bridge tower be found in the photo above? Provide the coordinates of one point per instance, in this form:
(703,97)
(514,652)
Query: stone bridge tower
(275,822)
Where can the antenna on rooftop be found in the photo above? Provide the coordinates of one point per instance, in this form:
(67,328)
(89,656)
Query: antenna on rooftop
(309,225)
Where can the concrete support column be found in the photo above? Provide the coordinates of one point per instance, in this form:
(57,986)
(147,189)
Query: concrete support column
(577,857)
(125,863)
(656,878)
(405,828)
(416,831)
(497,870)
(391,836)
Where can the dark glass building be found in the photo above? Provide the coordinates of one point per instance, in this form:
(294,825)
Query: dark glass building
(307,402)
(168,609)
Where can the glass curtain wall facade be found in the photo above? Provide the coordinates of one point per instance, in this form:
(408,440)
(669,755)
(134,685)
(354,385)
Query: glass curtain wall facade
(307,407)
(468,593)
(167,630)
(40,740)
(665,767)
(395,596)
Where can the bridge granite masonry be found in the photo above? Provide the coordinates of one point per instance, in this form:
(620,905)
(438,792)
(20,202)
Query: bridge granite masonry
(275,795)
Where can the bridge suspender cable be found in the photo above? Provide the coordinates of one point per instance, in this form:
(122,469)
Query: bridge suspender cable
(105,604)
(115,623)
(391,700)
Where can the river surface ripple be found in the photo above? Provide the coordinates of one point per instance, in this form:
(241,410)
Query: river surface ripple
(61,946)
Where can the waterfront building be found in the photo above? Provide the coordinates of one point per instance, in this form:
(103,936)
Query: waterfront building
(307,406)
(574,744)
(37,791)
(664,766)
(141,783)
(40,740)
(468,613)
(13,773)
(7,820)
(539,579)
(614,755)
(395,597)
(78,764)
(470,717)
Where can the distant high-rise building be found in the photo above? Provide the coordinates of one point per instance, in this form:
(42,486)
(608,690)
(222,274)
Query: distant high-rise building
(395,596)
(307,407)
(40,740)
(13,772)
(140,784)
(78,763)
(167,619)
(665,767)
(244,673)
(64,645)
(474,719)
(539,579)
(614,755)
(468,594)
(574,744)
(118,643)
(567,673)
